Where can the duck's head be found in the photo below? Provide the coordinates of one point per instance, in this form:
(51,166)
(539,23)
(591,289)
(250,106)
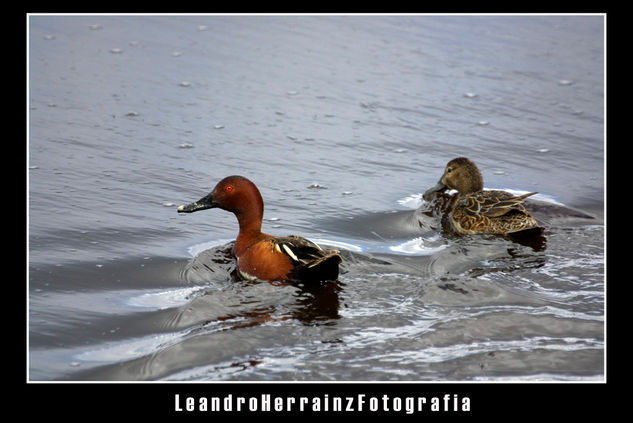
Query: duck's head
(235,193)
(460,174)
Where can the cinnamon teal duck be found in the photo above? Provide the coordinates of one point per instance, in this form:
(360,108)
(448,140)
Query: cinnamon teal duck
(259,255)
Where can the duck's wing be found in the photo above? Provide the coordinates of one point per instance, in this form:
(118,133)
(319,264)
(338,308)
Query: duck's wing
(308,257)
(491,203)
(302,250)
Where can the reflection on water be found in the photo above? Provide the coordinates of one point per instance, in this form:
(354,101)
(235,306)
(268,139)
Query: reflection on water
(314,303)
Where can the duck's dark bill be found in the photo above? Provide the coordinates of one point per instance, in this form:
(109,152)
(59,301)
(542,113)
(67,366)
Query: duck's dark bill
(202,204)
(437,188)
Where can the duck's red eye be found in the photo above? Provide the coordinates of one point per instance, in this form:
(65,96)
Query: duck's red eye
(229,188)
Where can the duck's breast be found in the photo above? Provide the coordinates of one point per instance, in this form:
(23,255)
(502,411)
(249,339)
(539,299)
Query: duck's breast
(264,260)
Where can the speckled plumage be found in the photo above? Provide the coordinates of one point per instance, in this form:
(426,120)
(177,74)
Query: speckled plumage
(475,210)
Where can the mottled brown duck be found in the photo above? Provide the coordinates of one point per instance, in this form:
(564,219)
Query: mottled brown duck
(478,211)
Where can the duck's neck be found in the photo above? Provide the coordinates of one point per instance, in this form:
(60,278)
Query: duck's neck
(250,222)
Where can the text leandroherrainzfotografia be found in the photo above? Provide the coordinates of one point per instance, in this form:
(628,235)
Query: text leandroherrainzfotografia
(358,403)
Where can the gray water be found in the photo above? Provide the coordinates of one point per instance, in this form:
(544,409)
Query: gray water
(342,122)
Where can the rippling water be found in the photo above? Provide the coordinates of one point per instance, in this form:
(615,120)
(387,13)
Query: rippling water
(342,121)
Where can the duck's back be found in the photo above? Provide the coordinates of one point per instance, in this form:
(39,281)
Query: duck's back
(493,212)
(311,262)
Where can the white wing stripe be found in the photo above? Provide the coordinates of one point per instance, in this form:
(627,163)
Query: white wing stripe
(289,252)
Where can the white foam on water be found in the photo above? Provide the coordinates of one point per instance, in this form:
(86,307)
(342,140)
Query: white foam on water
(417,246)
(338,244)
(162,299)
(196,249)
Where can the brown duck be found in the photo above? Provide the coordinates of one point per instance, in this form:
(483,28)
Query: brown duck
(259,255)
(477,211)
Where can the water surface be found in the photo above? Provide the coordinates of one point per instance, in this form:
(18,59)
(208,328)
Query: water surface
(342,122)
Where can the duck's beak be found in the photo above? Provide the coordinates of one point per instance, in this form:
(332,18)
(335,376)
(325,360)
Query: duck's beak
(439,187)
(202,204)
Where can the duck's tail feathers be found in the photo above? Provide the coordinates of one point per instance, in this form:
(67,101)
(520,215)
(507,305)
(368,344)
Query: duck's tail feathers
(333,256)
(524,196)
(322,268)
